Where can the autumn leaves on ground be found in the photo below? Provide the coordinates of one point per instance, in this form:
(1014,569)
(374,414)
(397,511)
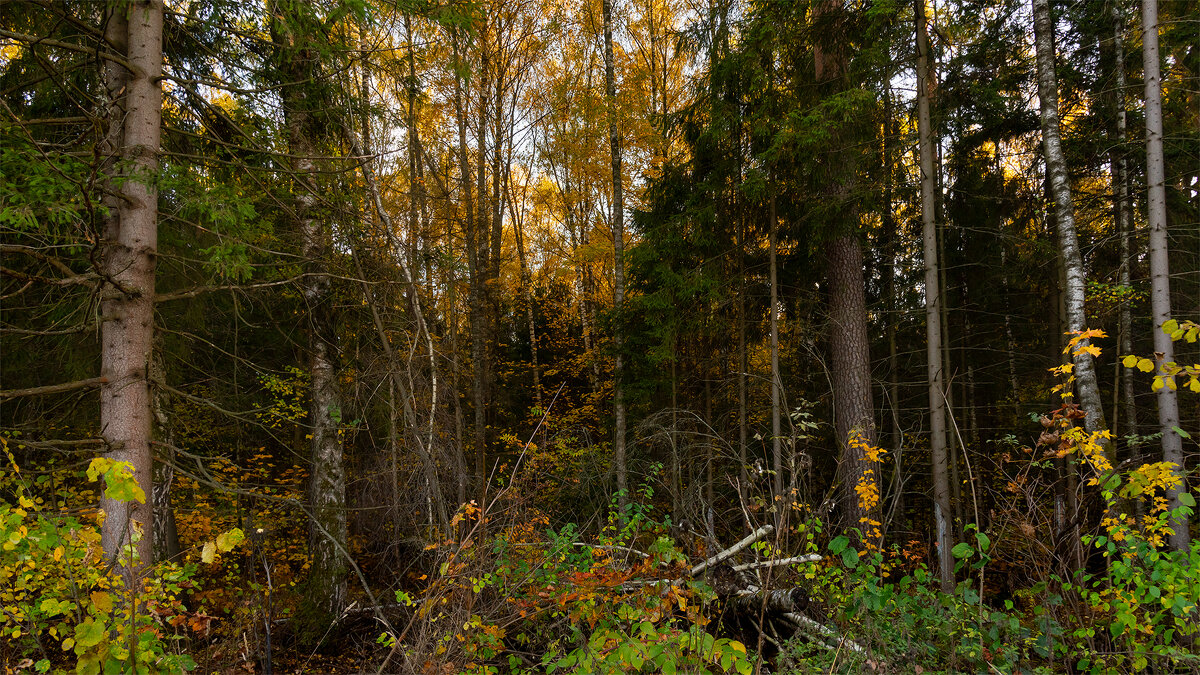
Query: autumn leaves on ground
(607,337)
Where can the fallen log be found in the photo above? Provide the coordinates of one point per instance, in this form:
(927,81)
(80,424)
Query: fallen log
(733,550)
(814,557)
(789,604)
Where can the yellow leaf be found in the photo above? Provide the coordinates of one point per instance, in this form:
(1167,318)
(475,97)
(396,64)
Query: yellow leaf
(1130,361)
(58,554)
(208,552)
(102,601)
(1145,365)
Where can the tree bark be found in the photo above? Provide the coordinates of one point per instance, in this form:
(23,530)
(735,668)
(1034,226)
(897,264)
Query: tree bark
(776,423)
(933,312)
(618,233)
(851,357)
(1160,287)
(328,533)
(129,260)
(1060,192)
(474,273)
(1123,214)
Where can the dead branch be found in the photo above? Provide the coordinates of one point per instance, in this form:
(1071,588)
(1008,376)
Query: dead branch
(53,388)
(733,550)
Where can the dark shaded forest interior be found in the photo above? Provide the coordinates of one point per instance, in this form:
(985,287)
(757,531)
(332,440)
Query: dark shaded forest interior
(624,336)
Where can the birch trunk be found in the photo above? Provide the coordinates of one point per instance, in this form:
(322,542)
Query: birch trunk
(933,312)
(1160,287)
(1060,192)
(129,259)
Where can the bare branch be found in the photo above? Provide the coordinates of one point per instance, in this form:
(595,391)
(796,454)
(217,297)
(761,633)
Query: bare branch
(53,388)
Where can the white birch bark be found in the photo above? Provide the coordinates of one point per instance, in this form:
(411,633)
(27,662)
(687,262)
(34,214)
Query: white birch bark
(1060,193)
(1160,287)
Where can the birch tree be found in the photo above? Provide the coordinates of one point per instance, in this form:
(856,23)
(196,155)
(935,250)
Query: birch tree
(1059,184)
(1160,286)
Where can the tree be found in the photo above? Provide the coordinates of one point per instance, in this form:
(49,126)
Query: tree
(1064,218)
(294,27)
(854,409)
(933,311)
(1160,286)
(618,233)
(131,243)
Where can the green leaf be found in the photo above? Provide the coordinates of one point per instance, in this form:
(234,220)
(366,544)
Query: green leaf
(89,633)
(1181,432)
(962,550)
(984,542)
(1186,499)
(88,665)
(838,544)
(850,558)
(120,483)
(227,540)
(52,607)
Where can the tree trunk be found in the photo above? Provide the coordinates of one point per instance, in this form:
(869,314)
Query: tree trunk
(130,255)
(298,59)
(1060,191)
(776,423)
(1160,288)
(618,233)
(474,273)
(1123,392)
(851,357)
(933,312)
(166,534)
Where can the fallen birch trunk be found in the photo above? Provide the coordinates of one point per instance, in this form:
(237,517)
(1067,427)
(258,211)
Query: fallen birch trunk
(733,550)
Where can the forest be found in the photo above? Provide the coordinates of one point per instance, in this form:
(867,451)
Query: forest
(611,336)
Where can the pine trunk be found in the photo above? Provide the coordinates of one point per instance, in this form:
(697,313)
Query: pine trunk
(854,411)
(618,234)
(933,312)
